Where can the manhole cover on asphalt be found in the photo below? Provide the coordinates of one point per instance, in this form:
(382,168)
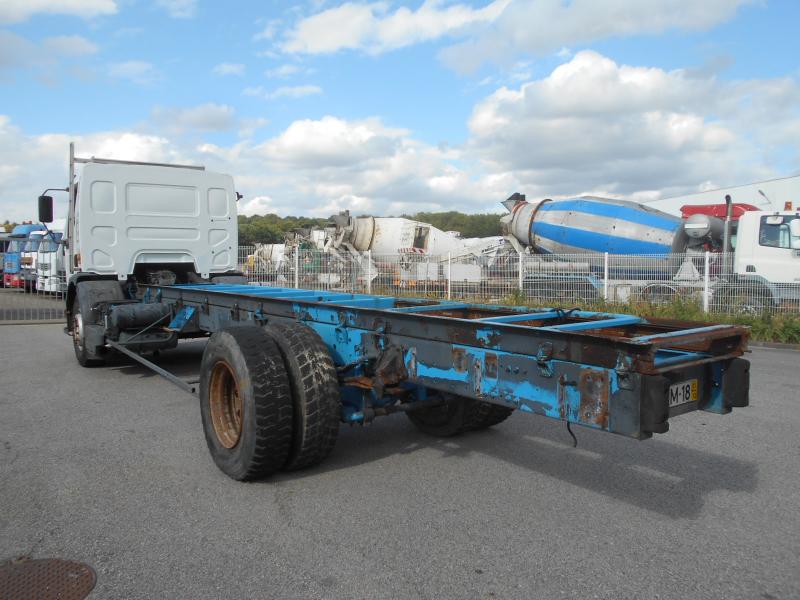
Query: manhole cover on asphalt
(46,579)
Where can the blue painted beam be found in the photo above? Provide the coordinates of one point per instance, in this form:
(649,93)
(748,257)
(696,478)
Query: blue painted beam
(598,324)
(664,358)
(680,333)
(382,302)
(429,307)
(520,317)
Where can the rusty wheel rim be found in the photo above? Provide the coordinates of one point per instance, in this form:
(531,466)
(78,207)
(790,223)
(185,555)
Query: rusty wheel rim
(225,403)
(77,331)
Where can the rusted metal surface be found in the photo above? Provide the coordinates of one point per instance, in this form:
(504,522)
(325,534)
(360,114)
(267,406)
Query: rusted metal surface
(490,365)
(459,359)
(363,382)
(225,404)
(46,579)
(594,388)
(594,347)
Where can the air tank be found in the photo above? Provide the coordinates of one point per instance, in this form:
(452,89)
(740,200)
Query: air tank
(589,224)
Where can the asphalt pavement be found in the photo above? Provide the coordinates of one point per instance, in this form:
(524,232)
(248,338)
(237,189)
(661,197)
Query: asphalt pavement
(109,466)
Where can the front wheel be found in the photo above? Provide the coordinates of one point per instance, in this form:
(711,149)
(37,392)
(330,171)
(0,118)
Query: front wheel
(245,403)
(86,356)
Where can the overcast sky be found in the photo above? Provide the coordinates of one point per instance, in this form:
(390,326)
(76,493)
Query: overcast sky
(390,107)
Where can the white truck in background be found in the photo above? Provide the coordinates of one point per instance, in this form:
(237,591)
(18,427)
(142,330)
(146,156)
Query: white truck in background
(29,259)
(51,275)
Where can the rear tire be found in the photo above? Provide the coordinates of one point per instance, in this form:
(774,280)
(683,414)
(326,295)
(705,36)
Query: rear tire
(245,403)
(456,415)
(315,393)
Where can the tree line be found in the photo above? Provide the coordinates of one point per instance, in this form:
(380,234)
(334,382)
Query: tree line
(272,229)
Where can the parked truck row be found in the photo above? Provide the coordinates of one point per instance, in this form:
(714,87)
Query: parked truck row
(34,259)
(151,260)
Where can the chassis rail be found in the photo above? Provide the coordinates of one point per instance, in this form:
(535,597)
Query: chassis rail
(613,372)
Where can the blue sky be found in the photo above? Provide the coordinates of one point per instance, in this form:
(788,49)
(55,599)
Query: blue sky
(387,107)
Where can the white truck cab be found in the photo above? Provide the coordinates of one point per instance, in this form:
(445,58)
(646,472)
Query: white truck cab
(28,259)
(768,246)
(131,219)
(50,271)
(133,223)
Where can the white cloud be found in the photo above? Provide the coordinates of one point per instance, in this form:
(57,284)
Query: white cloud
(497,31)
(17,52)
(178,9)
(136,71)
(283,71)
(229,69)
(17,11)
(260,205)
(69,45)
(590,126)
(593,125)
(331,142)
(248,126)
(293,91)
(373,28)
(268,32)
(19,186)
(204,117)
(543,26)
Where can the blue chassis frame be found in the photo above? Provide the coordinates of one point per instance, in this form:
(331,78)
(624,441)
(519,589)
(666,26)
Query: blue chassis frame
(570,370)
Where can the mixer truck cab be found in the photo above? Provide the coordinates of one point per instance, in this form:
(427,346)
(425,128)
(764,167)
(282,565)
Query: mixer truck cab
(768,247)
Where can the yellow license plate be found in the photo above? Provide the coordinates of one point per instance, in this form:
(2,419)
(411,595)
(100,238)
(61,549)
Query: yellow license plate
(683,392)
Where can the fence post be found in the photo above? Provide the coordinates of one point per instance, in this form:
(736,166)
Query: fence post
(448,275)
(520,274)
(605,276)
(297,268)
(369,271)
(706,290)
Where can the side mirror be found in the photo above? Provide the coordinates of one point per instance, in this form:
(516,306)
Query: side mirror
(45,209)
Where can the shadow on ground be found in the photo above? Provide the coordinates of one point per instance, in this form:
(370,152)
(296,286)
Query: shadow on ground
(656,475)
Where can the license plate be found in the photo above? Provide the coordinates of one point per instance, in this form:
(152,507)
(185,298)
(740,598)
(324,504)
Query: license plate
(683,392)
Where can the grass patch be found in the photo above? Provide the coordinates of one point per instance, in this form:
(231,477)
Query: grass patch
(764,327)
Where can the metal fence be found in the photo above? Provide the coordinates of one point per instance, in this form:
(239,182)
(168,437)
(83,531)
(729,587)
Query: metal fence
(705,280)
(43,302)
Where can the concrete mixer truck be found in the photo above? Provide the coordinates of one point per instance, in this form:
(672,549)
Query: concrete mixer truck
(392,251)
(588,245)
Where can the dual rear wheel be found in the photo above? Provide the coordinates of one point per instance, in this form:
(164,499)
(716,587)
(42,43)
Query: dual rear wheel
(269,400)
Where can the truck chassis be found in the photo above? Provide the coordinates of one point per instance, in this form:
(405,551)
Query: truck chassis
(284,366)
